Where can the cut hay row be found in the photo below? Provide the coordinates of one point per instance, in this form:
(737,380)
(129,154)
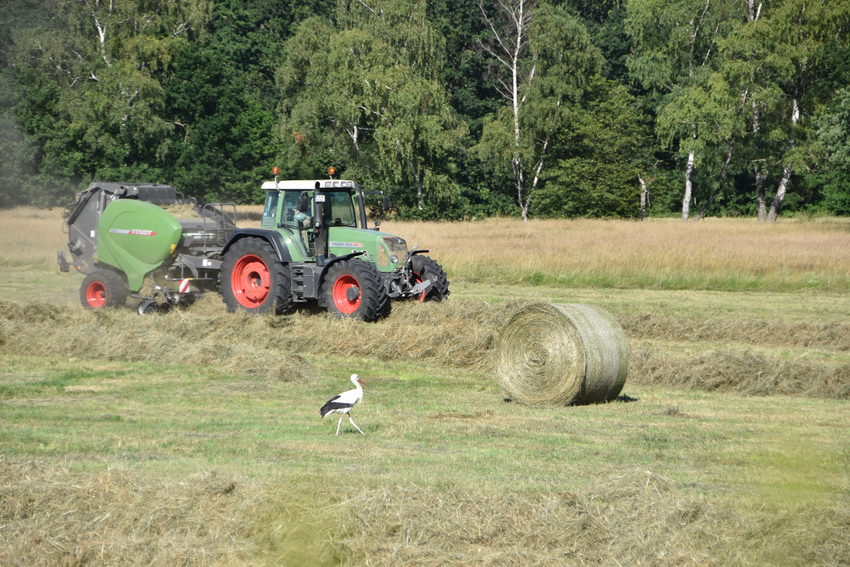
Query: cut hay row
(51,516)
(832,336)
(458,335)
(747,373)
(454,334)
(638,518)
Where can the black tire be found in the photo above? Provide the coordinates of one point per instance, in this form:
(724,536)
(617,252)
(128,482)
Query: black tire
(427,269)
(253,279)
(352,289)
(103,289)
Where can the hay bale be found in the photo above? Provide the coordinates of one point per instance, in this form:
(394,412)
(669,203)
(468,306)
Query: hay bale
(562,354)
(182,211)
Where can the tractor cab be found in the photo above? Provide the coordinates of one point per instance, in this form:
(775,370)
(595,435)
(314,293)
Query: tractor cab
(322,219)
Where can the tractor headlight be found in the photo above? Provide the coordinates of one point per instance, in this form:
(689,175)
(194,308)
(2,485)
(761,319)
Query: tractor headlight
(396,247)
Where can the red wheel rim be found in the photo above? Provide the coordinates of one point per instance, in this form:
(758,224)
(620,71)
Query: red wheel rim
(96,294)
(340,294)
(250,281)
(417,279)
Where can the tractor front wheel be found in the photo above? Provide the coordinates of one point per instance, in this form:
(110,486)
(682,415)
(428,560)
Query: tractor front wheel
(103,289)
(424,268)
(253,279)
(352,290)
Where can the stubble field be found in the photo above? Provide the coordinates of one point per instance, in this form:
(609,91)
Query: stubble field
(194,437)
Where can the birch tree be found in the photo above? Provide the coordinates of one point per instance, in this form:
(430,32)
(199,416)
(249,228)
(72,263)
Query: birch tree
(776,60)
(367,97)
(541,58)
(110,59)
(676,55)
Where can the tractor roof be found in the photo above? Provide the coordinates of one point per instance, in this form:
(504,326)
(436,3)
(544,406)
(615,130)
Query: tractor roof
(309,184)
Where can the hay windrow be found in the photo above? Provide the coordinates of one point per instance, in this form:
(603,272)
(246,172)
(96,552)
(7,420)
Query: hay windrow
(833,336)
(453,334)
(52,516)
(747,373)
(637,518)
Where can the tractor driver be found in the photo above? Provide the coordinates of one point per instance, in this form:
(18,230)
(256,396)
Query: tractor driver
(300,214)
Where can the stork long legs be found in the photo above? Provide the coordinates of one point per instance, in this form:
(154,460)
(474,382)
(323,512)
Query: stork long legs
(354,424)
(349,419)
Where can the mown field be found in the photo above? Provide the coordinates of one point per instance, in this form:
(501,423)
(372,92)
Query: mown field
(194,438)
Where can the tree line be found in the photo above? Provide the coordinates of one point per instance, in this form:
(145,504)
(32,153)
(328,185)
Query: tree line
(457,108)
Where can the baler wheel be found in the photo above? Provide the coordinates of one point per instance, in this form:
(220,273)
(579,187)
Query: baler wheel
(424,268)
(254,279)
(103,289)
(353,290)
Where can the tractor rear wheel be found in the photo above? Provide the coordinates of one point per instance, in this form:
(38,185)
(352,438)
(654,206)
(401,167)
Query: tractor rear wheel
(253,279)
(424,268)
(103,289)
(352,290)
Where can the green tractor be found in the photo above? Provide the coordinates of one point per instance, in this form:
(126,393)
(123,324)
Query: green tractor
(313,246)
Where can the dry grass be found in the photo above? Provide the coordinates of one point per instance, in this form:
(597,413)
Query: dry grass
(710,254)
(52,516)
(746,372)
(663,253)
(31,237)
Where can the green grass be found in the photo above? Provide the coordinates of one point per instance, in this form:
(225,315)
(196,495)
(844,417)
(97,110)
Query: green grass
(425,425)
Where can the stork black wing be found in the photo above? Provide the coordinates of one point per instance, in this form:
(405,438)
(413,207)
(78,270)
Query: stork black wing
(332,405)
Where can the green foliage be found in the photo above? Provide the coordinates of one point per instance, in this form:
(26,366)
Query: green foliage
(364,96)
(603,148)
(834,138)
(408,96)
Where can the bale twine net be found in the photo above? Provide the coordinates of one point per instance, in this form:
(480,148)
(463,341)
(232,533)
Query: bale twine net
(562,354)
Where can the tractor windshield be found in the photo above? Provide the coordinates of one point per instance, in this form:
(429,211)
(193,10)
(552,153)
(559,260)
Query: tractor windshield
(297,208)
(338,209)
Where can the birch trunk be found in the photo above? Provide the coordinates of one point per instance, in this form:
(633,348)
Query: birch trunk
(642,197)
(776,206)
(761,200)
(689,172)
(760,197)
(515,102)
(418,189)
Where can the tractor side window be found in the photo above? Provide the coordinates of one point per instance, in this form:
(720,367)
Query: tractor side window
(290,209)
(270,210)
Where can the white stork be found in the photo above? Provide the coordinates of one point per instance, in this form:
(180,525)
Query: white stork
(342,403)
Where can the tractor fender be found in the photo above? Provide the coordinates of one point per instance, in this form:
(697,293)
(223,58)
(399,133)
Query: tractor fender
(271,236)
(335,259)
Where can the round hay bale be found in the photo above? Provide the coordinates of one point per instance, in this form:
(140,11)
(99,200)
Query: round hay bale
(562,354)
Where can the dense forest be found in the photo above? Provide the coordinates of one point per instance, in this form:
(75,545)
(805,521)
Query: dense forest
(458,108)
